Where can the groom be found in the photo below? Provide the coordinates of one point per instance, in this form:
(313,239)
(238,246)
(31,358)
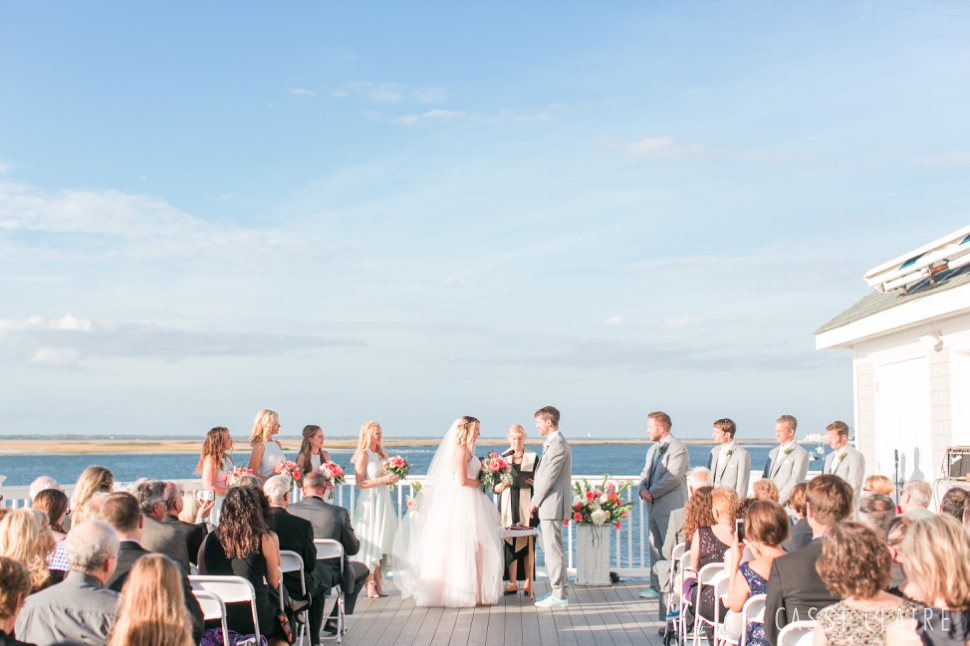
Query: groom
(551,497)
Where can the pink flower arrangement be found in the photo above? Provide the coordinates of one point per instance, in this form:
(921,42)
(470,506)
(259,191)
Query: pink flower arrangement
(494,470)
(290,470)
(600,505)
(398,466)
(232,478)
(333,472)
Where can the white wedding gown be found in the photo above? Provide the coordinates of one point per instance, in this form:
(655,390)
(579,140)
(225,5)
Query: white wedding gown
(455,557)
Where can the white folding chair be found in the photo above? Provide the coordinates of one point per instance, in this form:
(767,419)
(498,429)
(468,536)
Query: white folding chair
(213,608)
(293,562)
(676,580)
(229,589)
(709,576)
(686,573)
(753,612)
(328,548)
(797,633)
(193,569)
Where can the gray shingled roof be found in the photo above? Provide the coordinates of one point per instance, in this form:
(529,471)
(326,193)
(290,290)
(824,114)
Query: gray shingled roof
(876,302)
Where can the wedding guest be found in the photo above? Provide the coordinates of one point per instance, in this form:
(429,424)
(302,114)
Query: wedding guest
(795,590)
(801,532)
(374,515)
(152,607)
(250,481)
(14,588)
(193,532)
(156,535)
(877,511)
(243,545)
(878,484)
(855,567)
(215,463)
(311,454)
(267,452)
(89,510)
(845,460)
(92,479)
(663,486)
(765,530)
(915,499)
(730,465)
(709,544)
(936,558)
(699,477)
(53,502)
(765,489)
(80,608)
(787,463)
(514,504)
(953,503)
(895,535)
(26,537)
(192,510)
(42,483)
(699,512)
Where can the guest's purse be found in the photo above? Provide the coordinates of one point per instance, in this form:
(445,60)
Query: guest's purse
(287,629)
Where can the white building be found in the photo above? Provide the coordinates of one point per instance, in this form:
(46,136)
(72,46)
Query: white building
(910,341)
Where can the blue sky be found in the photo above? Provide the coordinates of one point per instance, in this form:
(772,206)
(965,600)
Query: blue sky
(413,211)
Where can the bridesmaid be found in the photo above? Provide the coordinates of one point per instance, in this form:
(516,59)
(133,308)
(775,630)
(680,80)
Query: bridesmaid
(515,502)
(267,452)
(215,463)
(374,519)
(311,454)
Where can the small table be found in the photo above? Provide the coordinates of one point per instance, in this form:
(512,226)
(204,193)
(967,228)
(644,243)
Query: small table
(530,559)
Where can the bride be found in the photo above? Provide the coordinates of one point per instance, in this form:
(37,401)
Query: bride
(454,558)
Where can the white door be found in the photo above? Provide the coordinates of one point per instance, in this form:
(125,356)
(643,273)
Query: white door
(959,399)
(903,420)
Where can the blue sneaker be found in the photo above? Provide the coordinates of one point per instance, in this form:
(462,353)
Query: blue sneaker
(552,602)
(543,597)
(649,593)
(673,614)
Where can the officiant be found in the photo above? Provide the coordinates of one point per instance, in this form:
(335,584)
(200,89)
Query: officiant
(514,505)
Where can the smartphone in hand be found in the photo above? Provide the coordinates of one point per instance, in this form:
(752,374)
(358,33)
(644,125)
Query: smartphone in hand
(740,530)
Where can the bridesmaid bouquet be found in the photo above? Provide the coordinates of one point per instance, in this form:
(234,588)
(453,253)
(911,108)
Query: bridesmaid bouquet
(232,478)
(332,472)
(290,470)
(494,470)
(398,466)
(600,505)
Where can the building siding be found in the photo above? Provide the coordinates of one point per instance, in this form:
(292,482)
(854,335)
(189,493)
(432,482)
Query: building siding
(941,417)
(866,413)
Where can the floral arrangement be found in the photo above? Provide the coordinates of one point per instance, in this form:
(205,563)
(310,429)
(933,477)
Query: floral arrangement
(600,505)
(333,472)
(290,470)
(398,466)
(495,469)
(232,478)
(412,501)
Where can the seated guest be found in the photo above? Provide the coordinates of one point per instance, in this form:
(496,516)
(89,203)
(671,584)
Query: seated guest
(801,533)
(194,533)
(250,481)
(80,608)
(895,534)
(765,489)
(296,535)
(87,511)
(243,545)
(123,513)
(330,521)
(953,503)
(765,528)
(14,587)
(156,535)
(936,558)
(91,481)
(698,477)
(193,511)
(878,484)
(53,502)
(915,499)
(877,511)
(25,537)
(855,565)
(709,544)
(152,607)
(795,590)
(42,483)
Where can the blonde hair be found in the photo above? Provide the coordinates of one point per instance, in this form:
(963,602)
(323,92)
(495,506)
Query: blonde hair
(15,588)
(466,433)
(363,442)
(93,479)
(151,611)
(516,429)
(936,557)
(725,501)
(25,536)
(190,507)
(878,483)
(263,425)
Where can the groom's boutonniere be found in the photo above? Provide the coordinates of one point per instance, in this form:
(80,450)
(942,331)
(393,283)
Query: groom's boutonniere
(787,451)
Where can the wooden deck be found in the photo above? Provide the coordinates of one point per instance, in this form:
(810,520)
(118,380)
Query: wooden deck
(598,616)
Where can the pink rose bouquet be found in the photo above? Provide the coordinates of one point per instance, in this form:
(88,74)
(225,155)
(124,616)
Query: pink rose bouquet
(333,472)
(398,466)
(290,470)
(232,478)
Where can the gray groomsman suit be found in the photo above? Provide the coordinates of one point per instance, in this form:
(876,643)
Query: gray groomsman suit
(786,471)
(851,468)
(665,477)
(552,494)
(734,472)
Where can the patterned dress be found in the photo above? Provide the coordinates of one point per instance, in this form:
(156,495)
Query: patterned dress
(843,625)
(755,631)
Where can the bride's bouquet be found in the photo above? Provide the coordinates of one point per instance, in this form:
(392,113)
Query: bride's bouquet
(333,473)
(233,477)
(494,470)
(290,470)
(398,466)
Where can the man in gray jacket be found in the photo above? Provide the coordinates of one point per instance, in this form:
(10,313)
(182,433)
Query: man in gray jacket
(552,498)
(844,460)
(788,463)
(730,465)
(663,486)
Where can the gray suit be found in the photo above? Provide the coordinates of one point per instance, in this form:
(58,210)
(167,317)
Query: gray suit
(166,539)
(851,468)
(786,471)
(734,472)
(667,483)
(552,494)
(79,609)
(675,535)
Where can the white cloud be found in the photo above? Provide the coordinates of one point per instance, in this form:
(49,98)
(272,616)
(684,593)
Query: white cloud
(677,322)
(411,119)
(667,148)
(55,355)
(390,92)
(66,323)
(615,321)
(299,91)
(430,94)
(946,160)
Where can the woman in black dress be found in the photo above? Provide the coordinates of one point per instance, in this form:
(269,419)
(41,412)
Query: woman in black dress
(514,505)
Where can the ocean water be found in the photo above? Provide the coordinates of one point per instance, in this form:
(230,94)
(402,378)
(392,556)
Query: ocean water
(588,459)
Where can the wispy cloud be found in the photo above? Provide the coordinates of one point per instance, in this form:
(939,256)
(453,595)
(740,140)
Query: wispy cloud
(615,321)
(668,148)
(299,91)
(411,119)
(946,160)
(390,92)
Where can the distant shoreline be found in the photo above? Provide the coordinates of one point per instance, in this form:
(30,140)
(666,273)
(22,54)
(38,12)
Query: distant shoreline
(61,446)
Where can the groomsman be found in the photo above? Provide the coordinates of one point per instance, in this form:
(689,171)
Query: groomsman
(844,460)
(788,463)
(663,486)
(730,465)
